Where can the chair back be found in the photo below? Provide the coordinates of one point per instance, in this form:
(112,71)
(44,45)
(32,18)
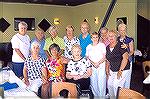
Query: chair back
(58,87)
(125,93)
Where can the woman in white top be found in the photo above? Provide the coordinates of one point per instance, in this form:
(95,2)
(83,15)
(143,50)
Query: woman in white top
(96,52)
(21,45)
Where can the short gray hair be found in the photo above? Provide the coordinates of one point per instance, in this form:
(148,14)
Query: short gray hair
(35,43)
(23,23)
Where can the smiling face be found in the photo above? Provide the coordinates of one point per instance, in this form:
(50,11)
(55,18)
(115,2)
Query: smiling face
(69,31)
(122,29)
(35,48)
(39,34)
(112,36)
(22,29)
(95,38)
(76,51)
(84,28)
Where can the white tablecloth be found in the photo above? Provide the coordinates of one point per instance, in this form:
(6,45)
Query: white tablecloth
(21,91)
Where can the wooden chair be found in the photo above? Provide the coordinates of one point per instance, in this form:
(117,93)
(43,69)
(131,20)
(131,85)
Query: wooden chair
(57,87)
(125,93)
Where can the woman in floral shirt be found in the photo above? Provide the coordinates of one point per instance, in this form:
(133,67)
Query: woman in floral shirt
(54,70)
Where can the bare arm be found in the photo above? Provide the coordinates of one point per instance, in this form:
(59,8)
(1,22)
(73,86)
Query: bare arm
(44,75)
(19,53)
(25,74)
(131,46)
(123,64)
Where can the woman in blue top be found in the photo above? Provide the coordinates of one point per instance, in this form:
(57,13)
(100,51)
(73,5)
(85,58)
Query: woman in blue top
(85,38)
(40,37)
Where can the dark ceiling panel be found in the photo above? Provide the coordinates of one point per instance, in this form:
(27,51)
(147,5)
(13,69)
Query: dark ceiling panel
(52,2)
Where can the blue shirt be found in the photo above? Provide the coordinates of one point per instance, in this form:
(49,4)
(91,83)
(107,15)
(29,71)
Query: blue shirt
(84,42)
(42,43)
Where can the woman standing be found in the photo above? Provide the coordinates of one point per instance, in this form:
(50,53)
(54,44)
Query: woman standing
(96,52)
(70,40)
(128,43)
(117,66)
(21,45)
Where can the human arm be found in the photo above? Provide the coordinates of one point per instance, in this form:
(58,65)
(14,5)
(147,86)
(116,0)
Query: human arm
(131,47)
(26,81)
(20,53)
(107,69)
(123,64)
(44,75)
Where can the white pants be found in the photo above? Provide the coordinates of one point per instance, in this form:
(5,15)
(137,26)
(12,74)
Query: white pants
(34,85)
(98,81)
(114,83)
(128,79)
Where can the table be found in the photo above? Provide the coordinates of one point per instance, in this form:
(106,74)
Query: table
(21,91)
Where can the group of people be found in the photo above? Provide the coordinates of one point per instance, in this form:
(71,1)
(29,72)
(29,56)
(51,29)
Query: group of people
(95,61)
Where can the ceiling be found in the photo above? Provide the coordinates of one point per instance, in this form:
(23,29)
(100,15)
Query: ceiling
(51,2)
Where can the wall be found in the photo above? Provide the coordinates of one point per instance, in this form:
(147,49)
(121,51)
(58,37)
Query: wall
(11,10)
(71,15)
(143,8)
(123,8)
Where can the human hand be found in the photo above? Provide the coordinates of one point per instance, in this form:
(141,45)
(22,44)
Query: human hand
(27,82)
(119,74)
(124,46)
(76,77)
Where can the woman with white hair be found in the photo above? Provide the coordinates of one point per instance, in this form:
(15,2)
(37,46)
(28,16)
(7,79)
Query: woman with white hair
(128,43)
(21,45)
(32,68)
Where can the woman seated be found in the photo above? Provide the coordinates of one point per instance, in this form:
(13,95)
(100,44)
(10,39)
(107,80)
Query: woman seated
(79,69)
(32,68)
(54,71)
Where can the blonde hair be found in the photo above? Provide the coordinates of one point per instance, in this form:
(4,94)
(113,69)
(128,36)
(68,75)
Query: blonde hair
(87,24)
(122,25)
(69,27)
(76,46)
(52,28)
(22,23)
(114,32)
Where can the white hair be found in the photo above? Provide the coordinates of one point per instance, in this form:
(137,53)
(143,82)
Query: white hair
(35,43)
(22,23)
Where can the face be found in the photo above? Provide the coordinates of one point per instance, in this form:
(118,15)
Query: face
(54,52)
(53,33)
(35,49)
(76,52)
(22,29)
(69,32)
(122,31)
(40,35)
(95,38)
(111,37)
(84,28)
(104,34)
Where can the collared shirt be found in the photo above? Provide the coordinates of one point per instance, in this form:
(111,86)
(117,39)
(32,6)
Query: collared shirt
(56,40)
(84,42)
(69,44)
(42,43)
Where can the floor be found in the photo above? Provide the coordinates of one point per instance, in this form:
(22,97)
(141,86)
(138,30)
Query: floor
(137,80)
